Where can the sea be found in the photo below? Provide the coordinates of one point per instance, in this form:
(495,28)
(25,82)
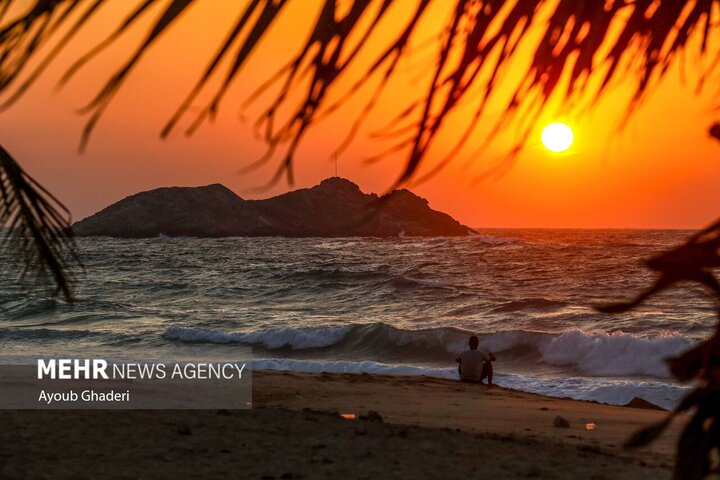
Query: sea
(391,306)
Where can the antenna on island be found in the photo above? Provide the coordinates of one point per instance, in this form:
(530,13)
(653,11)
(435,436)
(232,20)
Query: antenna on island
(336,174)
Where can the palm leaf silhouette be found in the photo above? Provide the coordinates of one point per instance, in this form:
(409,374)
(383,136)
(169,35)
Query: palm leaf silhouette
(474,49)
(37,226)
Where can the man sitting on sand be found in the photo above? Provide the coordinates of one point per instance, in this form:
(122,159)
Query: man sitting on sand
(475,364)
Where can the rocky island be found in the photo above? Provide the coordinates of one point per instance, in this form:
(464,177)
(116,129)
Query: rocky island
(334,208)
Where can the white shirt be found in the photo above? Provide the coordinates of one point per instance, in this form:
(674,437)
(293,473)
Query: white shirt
(471,363)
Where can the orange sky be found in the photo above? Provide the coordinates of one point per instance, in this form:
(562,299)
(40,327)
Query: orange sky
(662,171)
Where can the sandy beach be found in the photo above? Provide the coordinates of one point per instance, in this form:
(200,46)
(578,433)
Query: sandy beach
(425,428)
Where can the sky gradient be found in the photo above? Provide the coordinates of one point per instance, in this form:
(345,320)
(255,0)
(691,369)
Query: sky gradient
(660,171)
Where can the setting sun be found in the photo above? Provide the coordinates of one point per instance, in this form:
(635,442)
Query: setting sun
(557,137)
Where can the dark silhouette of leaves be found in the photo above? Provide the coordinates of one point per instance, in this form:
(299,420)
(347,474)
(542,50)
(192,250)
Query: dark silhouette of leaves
(578,44)
(37,226)
(646,435)
(694,261)
(693,455)
(715,131)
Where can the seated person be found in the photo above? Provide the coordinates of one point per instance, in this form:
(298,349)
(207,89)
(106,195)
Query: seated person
(475,365)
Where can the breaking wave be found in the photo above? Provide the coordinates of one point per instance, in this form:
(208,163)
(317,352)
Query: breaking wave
(611,391)
(616,354)
(296,338)
(529,304)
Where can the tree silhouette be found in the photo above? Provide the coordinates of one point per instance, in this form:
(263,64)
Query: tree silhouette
(585,45)
(38,229)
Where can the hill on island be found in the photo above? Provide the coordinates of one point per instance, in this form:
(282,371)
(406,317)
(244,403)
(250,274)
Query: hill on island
(334,208)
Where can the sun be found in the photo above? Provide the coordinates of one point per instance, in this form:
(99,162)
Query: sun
(557,137)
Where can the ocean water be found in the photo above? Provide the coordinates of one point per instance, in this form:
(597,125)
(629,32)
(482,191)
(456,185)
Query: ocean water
(394,306)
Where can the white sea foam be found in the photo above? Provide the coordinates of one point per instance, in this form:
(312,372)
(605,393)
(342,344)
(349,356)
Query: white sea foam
(664,394)
(344,366)
(604,390)
(494,240)
(616,354)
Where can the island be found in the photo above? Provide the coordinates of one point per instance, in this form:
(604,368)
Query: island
(334,208)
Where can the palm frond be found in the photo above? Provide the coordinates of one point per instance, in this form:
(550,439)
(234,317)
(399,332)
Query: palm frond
(696,261)
(693,261)
(715,131)
(37,227)
(584,43)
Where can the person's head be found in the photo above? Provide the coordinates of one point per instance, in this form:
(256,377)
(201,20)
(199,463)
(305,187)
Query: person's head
(473,342)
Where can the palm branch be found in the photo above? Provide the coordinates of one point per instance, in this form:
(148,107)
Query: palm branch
(36,225)
(579,54)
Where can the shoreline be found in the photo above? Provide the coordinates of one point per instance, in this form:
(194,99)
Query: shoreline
(635,402)
(403,426)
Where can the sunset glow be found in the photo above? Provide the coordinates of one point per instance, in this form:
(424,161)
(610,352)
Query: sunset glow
(557,137)
(625,178)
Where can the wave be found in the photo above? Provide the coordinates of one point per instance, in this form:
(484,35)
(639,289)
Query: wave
(529,304)
(615,354)
(335,274)
(46,334)
(405,282)
(295,338)
(496,240)
(611,391)
(367,277)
